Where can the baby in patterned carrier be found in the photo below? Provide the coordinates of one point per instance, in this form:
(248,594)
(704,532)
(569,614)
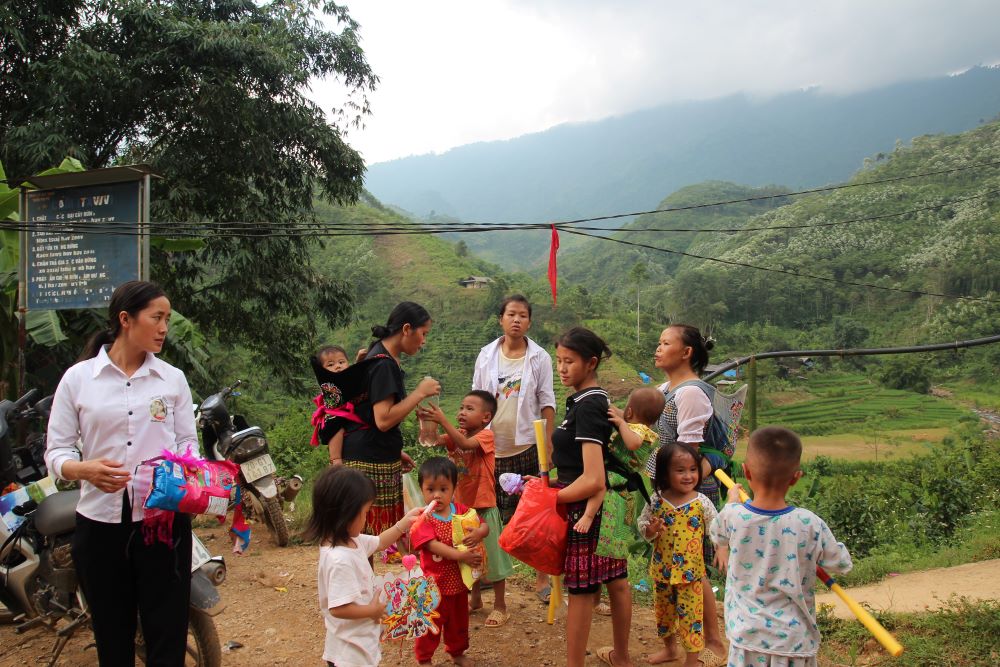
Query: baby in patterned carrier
(626,459)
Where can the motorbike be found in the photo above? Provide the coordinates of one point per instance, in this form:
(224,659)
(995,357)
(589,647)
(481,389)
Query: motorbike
(226,437)
(39,585)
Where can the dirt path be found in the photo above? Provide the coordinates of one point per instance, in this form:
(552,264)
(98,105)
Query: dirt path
(284,627)
(926,590)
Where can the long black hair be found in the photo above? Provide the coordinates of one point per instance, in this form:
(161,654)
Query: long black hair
(131,297)
(339,495)
(406,312)
(585,343)
(700,346)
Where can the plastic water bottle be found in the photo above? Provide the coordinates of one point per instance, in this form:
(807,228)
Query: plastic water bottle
(429,429)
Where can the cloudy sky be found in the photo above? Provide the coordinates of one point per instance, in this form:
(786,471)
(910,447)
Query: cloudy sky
(458,71)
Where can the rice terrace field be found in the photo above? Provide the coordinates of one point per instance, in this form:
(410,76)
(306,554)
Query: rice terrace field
(849,416)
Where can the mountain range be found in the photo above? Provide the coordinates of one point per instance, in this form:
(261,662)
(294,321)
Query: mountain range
(627,163)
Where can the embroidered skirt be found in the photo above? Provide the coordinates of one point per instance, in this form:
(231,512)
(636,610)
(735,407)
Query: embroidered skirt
(585,571)
(388,506)
(525,463)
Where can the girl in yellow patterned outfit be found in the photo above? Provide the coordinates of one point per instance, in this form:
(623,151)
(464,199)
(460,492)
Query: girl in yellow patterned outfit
(675,521)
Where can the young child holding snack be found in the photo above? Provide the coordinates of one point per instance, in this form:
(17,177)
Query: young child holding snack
(432,536)
(470,447)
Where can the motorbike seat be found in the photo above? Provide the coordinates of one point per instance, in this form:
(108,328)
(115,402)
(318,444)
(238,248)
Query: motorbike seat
(56,514)
(247,433)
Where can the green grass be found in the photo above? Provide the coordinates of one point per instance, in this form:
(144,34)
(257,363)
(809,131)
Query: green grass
(843,402)
(963,634)
(978,394)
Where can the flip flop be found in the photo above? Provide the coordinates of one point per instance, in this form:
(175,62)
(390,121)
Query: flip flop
(604,653)
(496,618)
(709,659)
(544,594)
(603,609)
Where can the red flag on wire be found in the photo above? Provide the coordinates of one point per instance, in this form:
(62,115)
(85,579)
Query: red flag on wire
(553,271)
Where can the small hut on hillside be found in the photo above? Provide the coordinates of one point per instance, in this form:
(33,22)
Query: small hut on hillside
(475,282)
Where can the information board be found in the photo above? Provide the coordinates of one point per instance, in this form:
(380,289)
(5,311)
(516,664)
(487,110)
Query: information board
(77,269)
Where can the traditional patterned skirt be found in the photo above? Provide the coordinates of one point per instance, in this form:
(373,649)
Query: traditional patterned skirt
(388,506)
(525,463)
(585,571)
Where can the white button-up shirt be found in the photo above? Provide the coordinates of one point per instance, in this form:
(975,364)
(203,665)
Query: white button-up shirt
(536,386)
(99,412)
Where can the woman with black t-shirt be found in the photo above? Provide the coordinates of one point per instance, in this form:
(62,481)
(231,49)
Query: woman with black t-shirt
(375,447)
(579,445)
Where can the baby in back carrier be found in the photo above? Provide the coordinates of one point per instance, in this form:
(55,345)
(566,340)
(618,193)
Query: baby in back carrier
(627,455)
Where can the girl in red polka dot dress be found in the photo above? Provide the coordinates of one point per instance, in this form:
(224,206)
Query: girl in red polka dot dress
(431,535)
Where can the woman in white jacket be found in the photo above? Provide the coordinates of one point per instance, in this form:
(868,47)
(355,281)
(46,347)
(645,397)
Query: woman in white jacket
(518,372)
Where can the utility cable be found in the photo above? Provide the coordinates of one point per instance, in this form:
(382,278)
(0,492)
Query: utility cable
(188,230)
(465,227)
(786,272)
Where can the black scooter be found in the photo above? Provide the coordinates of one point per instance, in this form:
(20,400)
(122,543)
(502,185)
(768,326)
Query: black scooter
(231,438)
(39,586)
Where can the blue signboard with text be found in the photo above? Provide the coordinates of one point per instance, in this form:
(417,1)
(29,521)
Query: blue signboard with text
(83,242)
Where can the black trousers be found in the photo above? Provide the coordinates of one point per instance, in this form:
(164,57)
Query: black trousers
(123,579)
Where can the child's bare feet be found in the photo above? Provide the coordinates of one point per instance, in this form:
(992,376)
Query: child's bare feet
(692,660)
(462,660)
(664,655)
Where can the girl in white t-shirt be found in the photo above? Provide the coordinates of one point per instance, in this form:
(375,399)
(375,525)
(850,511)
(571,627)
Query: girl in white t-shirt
(351,609)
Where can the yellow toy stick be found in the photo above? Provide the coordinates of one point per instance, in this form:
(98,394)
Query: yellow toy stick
(555,588)
(883,636)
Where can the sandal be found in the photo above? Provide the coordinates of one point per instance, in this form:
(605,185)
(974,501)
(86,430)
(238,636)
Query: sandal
(603,609)
(496,618)
(604,653)
(709,659)
(544,594)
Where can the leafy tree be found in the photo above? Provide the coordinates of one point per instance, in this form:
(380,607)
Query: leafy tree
(906,371)
(211,94)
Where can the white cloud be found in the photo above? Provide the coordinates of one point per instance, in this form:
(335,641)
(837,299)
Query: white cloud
(455,72)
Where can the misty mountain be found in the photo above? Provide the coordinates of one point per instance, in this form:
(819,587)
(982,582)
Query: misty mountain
(628,163)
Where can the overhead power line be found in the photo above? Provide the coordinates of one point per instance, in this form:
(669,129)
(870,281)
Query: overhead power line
(304,229)
(787,272)
(268,228)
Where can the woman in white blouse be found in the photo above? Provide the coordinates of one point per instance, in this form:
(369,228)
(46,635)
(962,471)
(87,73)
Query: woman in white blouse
(114,409)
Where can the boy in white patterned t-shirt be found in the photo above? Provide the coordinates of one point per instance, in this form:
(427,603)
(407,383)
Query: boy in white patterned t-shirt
(771,550)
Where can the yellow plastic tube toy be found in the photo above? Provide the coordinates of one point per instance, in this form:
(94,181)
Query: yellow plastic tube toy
(883,636)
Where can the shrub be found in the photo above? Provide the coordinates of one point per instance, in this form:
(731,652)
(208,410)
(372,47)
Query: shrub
(906,371)
(288,441)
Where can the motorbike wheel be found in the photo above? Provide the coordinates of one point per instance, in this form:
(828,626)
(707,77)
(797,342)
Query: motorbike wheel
(275,520)
(203,647)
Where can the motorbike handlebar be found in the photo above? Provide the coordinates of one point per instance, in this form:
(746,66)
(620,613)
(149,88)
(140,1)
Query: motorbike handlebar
(228,391)
(24,400)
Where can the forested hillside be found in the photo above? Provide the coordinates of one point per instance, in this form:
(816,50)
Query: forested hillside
(950,249)
(629,163)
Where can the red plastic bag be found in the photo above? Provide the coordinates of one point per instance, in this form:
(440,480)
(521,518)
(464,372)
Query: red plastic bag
(536,534)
